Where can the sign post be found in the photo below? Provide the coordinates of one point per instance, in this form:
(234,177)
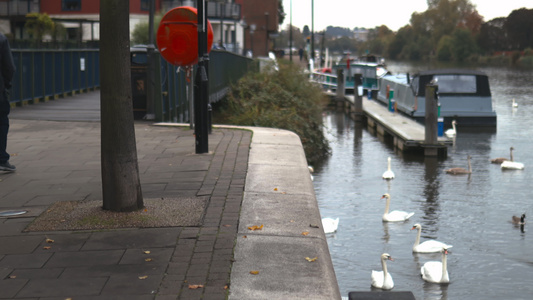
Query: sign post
(201,94)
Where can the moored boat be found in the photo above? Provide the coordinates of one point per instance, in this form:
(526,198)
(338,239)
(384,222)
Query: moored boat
(464,96)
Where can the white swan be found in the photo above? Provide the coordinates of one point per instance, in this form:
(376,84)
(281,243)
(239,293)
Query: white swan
(511,164)
(429,246)
(450,133)
(395,215)
(436,271)
(330,225)
(388,174)
(515,104)
(459,171)
(382,279)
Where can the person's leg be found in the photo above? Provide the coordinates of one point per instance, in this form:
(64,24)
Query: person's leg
(4,129)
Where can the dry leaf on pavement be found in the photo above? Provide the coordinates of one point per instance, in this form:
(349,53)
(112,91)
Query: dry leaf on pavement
(255,227)
(195,286)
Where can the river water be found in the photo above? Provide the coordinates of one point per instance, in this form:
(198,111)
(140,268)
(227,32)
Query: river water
(491,258)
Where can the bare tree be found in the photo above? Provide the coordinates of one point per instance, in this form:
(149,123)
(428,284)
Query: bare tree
(120,172)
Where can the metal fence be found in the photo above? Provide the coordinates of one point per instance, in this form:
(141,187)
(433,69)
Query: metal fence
(49,74)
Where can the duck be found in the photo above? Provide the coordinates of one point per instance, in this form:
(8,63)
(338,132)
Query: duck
(383,279)
(388,174)
(429,246)
(450,133)
(511,164)
(330,225)
(436,271)
(395,215)
(459,171)
(500,160)
(515,105)
(519,220)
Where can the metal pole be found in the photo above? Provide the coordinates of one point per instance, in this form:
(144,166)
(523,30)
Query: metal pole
(290,35)
(150,78)
(201,93)
(312,54)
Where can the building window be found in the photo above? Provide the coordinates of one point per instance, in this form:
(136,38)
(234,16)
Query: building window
(70,5)
(145,5)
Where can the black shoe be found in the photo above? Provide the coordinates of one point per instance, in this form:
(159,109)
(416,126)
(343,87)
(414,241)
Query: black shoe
(7,167)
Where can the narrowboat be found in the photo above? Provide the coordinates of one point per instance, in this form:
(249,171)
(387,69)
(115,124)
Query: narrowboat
(463,96)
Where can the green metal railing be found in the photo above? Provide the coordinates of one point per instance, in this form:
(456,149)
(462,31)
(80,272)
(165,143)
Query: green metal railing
(49,74)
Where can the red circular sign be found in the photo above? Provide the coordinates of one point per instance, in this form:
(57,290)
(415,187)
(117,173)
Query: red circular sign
(177,36)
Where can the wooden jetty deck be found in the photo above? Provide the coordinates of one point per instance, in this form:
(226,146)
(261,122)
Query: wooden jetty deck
(407,134)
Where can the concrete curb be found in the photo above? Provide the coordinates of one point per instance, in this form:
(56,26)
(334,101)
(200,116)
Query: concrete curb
(279,195)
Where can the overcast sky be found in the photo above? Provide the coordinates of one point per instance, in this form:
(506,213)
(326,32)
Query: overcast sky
(371,13)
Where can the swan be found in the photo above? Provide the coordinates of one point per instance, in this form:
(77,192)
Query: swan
(519,220)
(388,174)
(515,104)
(382,279)
(436,271)
(395,215)
(429,246)
(511,164)
(458,171)
(500,160)
(330,225)
(450,133)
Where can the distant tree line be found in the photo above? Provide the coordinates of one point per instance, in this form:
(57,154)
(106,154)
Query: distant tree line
(449,30)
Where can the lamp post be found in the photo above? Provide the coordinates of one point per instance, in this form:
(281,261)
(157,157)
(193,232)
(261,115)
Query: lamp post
(290,35)
(312,55)
(266,33)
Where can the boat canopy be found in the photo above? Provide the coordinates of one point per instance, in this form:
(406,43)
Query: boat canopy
(453,81)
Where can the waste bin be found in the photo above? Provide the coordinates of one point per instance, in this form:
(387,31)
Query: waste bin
(139,71)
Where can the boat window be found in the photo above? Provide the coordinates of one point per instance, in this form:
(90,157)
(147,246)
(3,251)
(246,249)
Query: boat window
(456,83)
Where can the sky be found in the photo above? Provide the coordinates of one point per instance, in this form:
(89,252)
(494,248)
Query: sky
(371,13)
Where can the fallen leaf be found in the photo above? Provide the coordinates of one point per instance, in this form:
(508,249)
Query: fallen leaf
(12,277)
(305,233)
(148,259)
(226,287)
(311,259)
(143,277)
(47,247)
(146,209)
(227,225)
(195,286)
(244,236)
(49,241)
(255,227)
(275,189)
(254,272)
(292,221)
(146,252)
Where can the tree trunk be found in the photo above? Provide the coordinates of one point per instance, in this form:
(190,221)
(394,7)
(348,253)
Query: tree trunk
(121,185)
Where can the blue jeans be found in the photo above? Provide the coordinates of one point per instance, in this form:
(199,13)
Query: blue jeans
(5,108)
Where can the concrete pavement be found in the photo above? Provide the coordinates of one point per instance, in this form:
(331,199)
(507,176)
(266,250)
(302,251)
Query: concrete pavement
(250,177)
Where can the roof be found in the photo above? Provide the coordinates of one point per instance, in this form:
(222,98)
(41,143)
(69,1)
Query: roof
(451,71)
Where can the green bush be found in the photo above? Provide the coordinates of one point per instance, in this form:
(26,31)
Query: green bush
(282,99)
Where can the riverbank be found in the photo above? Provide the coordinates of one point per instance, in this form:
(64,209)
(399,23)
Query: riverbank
(250,177)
